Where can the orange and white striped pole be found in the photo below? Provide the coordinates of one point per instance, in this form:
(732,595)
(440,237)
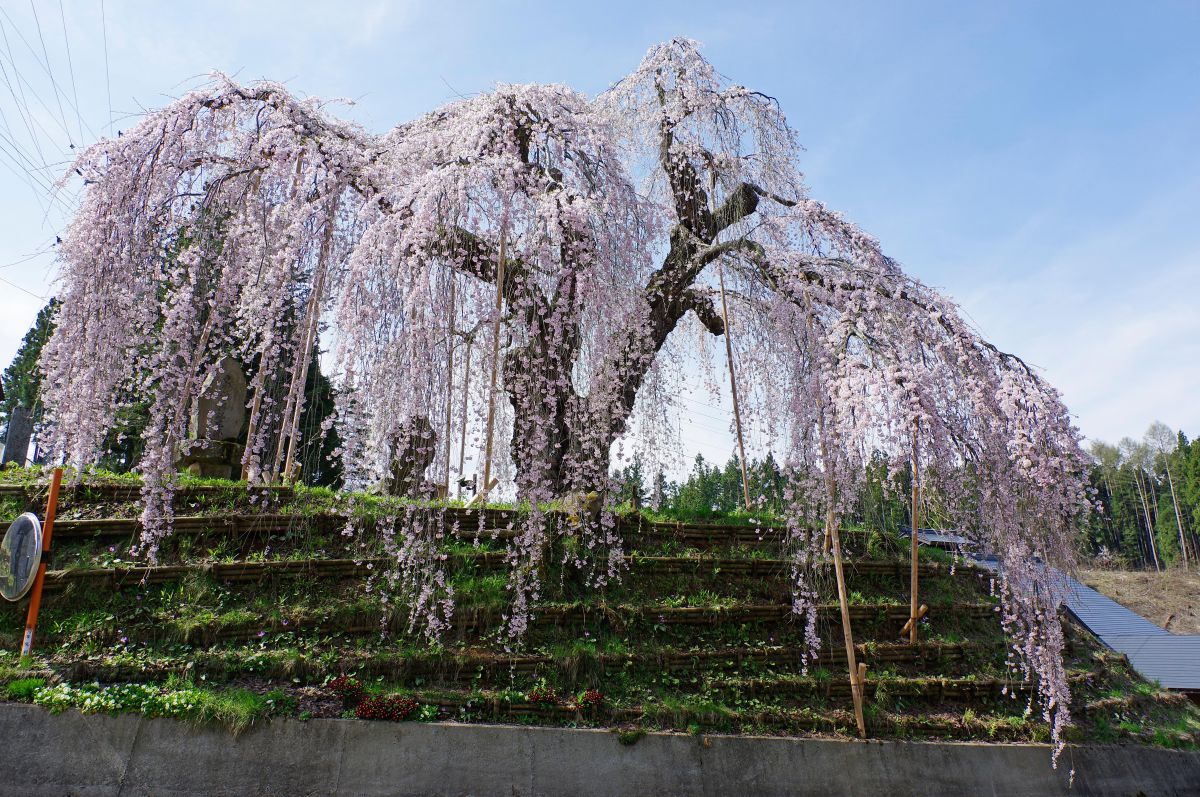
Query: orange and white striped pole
(35,601)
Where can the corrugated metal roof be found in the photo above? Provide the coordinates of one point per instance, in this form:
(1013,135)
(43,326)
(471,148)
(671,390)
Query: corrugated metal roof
(938,537)
(1158,655)
(1104,616)
(1171,659)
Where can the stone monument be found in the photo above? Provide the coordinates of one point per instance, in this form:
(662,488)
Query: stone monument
(413,449)
(16,440)
(216,424)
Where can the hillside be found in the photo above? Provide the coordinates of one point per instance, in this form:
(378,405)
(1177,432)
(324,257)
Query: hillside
(1170,599)
(260,604)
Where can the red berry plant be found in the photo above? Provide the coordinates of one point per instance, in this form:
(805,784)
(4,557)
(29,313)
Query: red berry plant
(348,688)
(393,708)
(591,699)
(542,696)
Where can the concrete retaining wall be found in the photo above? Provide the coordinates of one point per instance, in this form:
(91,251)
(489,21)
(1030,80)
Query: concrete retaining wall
(89,756)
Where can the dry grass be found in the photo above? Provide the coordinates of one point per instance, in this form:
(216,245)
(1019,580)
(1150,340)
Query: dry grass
(1170,599)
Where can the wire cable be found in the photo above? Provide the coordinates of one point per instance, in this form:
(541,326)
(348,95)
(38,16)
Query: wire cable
(23,290)
(46,56)
(107,79)
(71,70)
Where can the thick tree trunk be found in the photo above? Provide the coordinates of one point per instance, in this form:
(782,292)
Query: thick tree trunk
(561,439)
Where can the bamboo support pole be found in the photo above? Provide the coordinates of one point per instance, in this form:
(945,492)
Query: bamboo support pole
(248,473)
(856,674)
(491,413)
(911,623)
(462,440)
(252,427)
(916,524)
(313,318)
(449,381)
(35,600)
(833,540)
(737,410)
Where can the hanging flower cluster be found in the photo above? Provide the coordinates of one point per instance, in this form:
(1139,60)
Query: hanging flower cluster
(550,245)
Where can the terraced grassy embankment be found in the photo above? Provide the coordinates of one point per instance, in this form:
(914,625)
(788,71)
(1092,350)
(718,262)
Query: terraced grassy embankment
(259,602)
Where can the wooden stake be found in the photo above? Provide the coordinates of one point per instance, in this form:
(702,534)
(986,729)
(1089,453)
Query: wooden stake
(737,411)
(491,413)
(449,381)
(916,524)
(35,600)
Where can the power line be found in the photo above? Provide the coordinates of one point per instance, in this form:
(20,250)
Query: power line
(21,102)
(71,69)
(35,180)
(43,249)
(22,81)
(59,94)
(46,55)
(25,173)
(107,79)
(23,290)
(25,177)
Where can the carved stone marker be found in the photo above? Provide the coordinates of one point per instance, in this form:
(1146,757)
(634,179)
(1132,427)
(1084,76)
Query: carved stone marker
(16,442)
(413,449)
(217,421)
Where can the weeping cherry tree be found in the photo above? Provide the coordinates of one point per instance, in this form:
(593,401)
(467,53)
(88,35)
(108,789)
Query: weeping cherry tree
(574,245)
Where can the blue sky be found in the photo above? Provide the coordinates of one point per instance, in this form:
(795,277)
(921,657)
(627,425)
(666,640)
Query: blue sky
(1037,162)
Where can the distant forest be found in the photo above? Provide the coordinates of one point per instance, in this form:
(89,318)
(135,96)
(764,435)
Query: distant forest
(1147,495)
(1147,491)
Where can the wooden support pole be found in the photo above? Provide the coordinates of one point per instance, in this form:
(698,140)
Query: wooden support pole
(737,410)
(833,539)
(480,498)
(449,381)
(462,440)
(255,408)
(914,601)
(909,624)
(313,318)
(35,600)
(856,674)
(491,413)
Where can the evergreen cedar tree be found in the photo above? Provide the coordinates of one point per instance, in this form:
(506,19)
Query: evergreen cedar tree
(238,217)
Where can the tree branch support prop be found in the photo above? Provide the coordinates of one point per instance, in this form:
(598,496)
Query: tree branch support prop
(915,525)
(910,623)
(857,671)
(312,320)
(449,381)
(737,410)
(491,413)
(462,441)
